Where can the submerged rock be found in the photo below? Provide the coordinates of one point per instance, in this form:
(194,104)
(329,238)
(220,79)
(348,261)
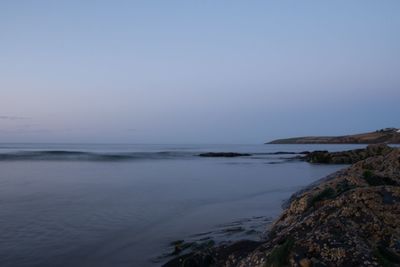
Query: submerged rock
(210,256)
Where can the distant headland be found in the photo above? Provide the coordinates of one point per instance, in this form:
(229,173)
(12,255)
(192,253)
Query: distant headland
(387,135)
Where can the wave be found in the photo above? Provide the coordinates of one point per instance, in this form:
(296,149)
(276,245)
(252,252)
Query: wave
(64,155)
(71,155)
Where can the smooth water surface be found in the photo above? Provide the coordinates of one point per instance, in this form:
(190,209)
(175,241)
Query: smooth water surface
(121,205)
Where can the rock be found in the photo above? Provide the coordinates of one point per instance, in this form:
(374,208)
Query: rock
(344,220)
(347,157)
(305,262)
(210,256)
(223,154)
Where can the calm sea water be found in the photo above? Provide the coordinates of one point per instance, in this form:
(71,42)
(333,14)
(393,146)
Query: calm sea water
(121,205)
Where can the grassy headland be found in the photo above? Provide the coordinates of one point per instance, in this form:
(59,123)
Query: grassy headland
(388,136)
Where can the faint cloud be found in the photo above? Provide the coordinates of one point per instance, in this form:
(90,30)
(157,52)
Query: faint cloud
(13,118)
(131,130)
(24,129)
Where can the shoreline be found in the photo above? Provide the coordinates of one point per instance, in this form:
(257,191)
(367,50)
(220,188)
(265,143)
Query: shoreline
(324,224)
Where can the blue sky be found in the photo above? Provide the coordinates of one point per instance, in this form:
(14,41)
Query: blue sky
(196,71)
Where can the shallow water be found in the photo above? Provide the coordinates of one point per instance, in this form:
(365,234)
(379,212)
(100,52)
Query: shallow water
(97,208)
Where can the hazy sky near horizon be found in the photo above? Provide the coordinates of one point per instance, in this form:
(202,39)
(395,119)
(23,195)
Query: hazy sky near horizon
(196,71)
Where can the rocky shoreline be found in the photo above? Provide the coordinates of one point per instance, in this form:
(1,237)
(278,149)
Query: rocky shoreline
(345,157)
(350,218)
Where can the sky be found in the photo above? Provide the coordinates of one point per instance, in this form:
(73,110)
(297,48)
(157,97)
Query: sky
(196,71)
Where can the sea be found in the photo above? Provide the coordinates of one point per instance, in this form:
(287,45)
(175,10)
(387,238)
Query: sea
(126,204)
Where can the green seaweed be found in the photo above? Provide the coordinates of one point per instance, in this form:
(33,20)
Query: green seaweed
(327,193)
(375,180)
(319,157)
(368,174)
(180,245)
(344,186)
(279,256)
(386,257)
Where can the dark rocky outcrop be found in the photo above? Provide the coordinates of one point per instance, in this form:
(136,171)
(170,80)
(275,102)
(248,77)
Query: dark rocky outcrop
(347,157)
(223,154)
(210,256)
(350,218)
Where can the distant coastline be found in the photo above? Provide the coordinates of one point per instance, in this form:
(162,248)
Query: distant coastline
(387,135)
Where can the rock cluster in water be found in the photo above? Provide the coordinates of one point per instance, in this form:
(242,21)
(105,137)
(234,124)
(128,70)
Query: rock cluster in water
(223,154)
(350,218)
(346,157)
